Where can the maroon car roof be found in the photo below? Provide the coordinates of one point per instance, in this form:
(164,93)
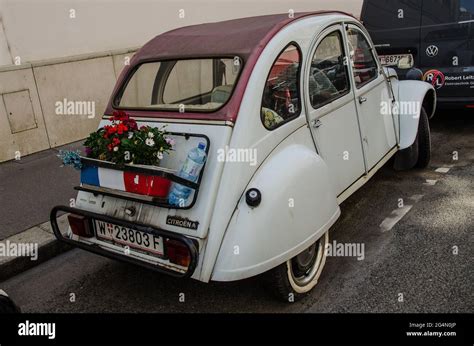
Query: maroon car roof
(231,37)
(244,37)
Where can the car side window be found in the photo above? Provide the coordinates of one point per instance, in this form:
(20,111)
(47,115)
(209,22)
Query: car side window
(363,61)
(328,76)
(281,101)
(446,12)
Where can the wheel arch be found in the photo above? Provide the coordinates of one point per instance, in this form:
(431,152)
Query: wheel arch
(429,103)
(414,94)
(261,238)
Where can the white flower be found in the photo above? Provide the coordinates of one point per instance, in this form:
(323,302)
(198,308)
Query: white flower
(150,142)
(116,149)
(150,135)
(160,155)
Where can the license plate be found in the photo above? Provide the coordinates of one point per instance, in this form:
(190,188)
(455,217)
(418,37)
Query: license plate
(129,237)
(392,60)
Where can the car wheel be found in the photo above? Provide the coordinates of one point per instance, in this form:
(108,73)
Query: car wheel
(417,155)
(424,141)
(295,278)
(7,305)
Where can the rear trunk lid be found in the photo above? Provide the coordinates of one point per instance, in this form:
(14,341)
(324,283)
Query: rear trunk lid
(192,220)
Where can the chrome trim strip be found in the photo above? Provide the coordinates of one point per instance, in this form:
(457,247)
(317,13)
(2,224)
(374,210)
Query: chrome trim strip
(179,121)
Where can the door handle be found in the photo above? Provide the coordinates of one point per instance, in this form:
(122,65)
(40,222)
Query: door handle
(317,123)
(362,99)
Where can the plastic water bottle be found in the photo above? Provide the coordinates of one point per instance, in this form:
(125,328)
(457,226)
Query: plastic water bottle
(190,170)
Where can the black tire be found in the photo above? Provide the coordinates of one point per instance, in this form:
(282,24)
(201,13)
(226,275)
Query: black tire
(283,284)
(7,306)
(417,155)
(424,141)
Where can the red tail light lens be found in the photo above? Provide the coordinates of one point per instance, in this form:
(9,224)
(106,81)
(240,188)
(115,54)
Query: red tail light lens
(178,253)
(80,225)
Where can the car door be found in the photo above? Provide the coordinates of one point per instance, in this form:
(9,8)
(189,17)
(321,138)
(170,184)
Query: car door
(373,97)
(331,109)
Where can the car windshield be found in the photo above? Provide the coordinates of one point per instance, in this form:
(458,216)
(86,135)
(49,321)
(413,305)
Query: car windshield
(191,85)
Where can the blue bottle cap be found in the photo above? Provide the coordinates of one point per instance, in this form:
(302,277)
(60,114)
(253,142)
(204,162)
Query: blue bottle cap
(202,146)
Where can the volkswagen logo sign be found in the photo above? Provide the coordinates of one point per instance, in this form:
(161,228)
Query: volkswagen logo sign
(432,51)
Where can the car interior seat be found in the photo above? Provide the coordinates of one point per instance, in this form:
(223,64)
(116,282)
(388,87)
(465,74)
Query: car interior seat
(221,93)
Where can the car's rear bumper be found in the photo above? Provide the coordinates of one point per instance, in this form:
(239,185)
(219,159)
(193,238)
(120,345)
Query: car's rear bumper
(159,266)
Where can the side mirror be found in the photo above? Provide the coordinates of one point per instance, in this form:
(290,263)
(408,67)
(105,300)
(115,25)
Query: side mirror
(406,63)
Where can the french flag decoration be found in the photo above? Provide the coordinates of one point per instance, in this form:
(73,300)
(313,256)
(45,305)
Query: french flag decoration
(132,182)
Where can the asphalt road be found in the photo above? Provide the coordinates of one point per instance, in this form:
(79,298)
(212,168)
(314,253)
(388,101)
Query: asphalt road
(416,259)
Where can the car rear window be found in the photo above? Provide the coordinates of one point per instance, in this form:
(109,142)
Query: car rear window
(191,85)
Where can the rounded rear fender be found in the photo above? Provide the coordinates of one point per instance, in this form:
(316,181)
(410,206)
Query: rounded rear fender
(298,206)
(412,95)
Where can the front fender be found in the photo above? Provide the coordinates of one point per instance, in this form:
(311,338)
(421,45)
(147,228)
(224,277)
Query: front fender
(412,95)
(298,206)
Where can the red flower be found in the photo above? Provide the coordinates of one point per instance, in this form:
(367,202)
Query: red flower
(121,128)
(131,124)
(111,130)
(119,116)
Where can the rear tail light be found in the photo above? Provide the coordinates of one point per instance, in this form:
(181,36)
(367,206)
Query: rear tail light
(177,252)
(470,106)
(80,225)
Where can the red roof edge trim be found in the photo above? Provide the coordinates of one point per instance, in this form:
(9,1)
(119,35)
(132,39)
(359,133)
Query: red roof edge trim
(230,110)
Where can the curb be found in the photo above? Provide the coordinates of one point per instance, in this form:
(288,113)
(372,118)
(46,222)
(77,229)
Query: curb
(47,244)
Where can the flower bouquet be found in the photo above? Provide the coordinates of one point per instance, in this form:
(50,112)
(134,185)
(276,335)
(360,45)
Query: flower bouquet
(123,157)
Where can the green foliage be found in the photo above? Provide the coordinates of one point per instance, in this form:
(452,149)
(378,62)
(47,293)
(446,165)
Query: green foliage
(122,142)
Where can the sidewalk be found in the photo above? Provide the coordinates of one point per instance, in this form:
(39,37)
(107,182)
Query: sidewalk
(29,188)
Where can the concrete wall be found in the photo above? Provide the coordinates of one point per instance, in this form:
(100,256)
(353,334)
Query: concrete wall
(53,50)
(45,29)
(29,134)
(30,119)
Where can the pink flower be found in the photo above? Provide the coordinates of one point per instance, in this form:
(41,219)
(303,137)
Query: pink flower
(170,141)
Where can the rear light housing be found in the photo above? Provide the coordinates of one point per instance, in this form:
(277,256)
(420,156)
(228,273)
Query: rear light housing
(80,225)
(177,252)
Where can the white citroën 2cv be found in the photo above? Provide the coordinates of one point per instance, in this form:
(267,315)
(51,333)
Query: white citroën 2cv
(306,94)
